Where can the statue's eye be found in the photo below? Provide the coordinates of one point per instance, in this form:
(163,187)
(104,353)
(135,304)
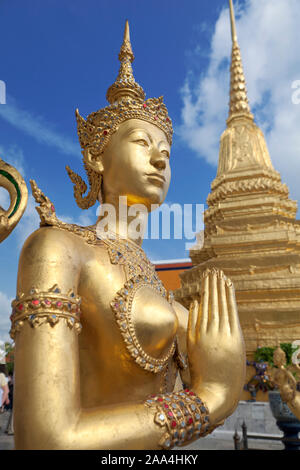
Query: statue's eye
(142,142)
(165,153)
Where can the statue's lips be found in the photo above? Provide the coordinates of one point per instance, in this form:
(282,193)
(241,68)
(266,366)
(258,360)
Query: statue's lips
(157,178)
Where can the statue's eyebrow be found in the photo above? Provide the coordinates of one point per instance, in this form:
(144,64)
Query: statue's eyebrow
(165,144)
(131,131)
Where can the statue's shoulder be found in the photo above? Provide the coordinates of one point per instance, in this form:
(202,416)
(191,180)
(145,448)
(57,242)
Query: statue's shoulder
(53,227)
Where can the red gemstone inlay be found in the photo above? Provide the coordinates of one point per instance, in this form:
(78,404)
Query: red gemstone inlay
(155,117)
(52,208)
(186,390)
(105,132)
(35,302)
(153,396)
(170,414)
(144,105)
(21,306)
(190,420)
(192,393)
(166,406)
(47,302)
(59,304)
(173,424)
(160,399)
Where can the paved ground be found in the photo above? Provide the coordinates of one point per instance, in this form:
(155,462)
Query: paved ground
(6,442)
(217,441)
(220,441)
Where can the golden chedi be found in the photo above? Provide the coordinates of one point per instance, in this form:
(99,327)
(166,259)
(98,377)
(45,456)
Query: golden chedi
(250,228)
(102,350)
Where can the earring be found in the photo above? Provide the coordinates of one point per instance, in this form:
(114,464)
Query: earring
(80,187)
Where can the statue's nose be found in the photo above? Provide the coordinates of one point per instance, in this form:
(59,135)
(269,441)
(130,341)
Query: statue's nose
(157,159)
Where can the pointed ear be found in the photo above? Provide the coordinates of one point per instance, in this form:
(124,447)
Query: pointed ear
(94,162)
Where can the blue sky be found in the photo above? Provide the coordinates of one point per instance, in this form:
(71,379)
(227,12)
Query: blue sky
(59,55)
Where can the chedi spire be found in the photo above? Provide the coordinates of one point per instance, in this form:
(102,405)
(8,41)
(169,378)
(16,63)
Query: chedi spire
(238,104)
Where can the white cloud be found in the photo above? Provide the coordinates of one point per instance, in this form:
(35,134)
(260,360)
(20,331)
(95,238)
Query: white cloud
(28,223)
(13,155)
(84,219)
(37,127)
(269,38)
(4,199)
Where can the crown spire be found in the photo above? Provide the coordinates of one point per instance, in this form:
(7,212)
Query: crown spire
(239,104)
(126,48)
(125,85)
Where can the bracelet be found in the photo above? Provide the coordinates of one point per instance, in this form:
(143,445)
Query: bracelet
(183,414)
(45,307)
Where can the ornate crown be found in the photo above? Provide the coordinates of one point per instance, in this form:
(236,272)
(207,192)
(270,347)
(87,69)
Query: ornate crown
(127,101)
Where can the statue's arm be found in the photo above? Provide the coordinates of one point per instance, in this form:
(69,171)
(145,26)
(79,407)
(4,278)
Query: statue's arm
(211,337)
(47,409)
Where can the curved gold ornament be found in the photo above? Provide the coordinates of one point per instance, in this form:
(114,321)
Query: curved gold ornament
(12,181)
(80,187)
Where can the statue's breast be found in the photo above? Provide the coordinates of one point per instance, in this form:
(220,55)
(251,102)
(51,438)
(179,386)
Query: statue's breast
(121,293)
(154,320)
(147,321)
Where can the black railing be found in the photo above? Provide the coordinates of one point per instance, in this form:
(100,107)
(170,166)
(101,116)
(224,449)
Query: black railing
(290,443)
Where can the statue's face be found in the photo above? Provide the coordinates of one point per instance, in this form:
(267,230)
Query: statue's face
(136,164)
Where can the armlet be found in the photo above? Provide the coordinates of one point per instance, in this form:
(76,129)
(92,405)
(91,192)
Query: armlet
(50,306)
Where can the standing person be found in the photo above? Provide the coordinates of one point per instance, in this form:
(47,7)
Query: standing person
(4,393)
(9,427)
(4,390)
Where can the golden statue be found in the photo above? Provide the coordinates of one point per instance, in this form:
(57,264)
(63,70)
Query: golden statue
(99,341)
(286,381)
(12,181)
